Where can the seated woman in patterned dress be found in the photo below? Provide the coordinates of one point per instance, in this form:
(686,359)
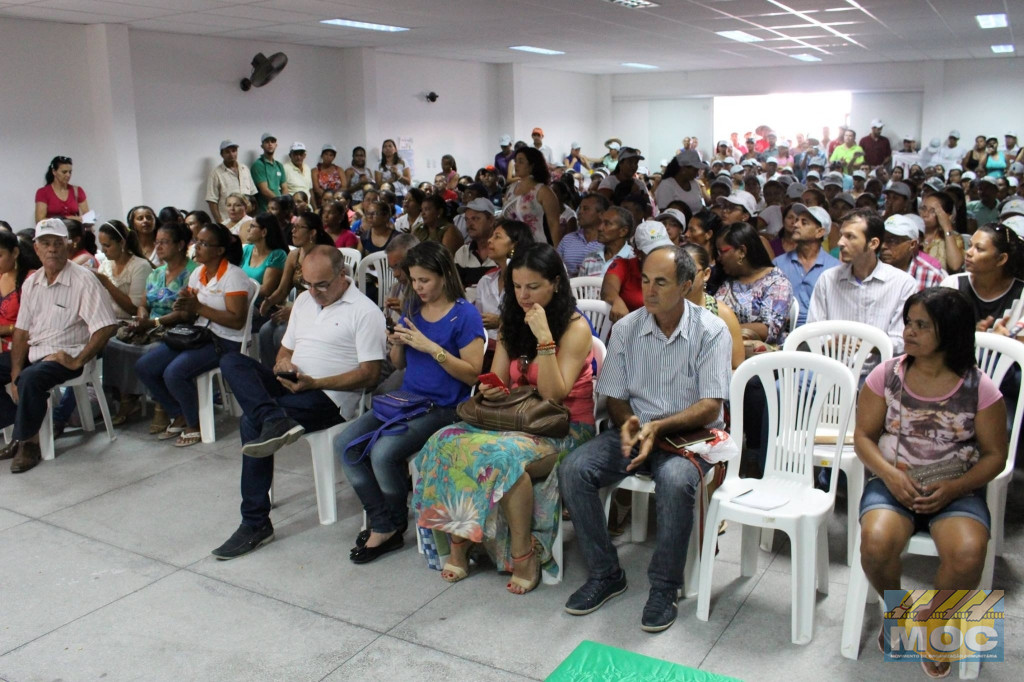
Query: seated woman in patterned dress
(501,488)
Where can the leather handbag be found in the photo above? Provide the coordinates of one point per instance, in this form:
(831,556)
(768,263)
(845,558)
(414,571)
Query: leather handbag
(523,409)
(187,337)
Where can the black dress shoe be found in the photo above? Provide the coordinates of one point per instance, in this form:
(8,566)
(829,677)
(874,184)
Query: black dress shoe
(364,554)
(364,535)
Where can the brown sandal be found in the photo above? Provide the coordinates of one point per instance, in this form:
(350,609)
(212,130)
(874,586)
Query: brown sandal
(524,585)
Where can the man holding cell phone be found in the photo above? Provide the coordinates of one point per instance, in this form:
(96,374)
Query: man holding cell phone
(667,372)
(332,349)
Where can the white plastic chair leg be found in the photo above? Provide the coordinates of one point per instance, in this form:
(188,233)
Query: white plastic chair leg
(46,448)
(556,556)
(804,557)
(204,391)
(321,445)
(998,513)
(707,564)
(858,590)
(691,570)
(821,558)
(854,491)
(85,414)
(748,550)
(767,539)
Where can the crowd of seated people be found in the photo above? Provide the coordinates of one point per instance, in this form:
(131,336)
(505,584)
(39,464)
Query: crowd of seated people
(704,262)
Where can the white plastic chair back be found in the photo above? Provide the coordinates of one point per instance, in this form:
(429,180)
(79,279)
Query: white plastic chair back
(586,287)
(600,352)
(254,291)
(600,315)
(794,313)
(352,259)
(797,387)
(376,265)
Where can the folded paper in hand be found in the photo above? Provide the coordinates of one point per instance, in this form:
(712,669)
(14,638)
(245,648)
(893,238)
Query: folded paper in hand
(760,499)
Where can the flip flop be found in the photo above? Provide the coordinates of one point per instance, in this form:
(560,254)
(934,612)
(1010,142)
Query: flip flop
(937,674)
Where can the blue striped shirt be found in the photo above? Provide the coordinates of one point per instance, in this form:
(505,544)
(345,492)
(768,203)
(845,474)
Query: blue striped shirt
(660,376)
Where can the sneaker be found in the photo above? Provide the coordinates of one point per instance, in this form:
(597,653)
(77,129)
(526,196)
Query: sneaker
(244,540)
(274,436)
(660,610)
(594,593)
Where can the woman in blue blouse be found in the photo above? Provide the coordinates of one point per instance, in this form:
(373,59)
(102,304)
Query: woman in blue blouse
(439,341)
(263,258)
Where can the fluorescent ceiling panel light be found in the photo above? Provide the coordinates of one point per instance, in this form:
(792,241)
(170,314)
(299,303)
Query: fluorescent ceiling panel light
(364,25)
(637,65)
(1002,49)
(991,20)
(739,36)
(634,4)
(535,50)
(806,57)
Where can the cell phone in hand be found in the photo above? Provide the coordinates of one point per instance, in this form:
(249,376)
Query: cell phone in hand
(492,380)
(390,325)
(290,376)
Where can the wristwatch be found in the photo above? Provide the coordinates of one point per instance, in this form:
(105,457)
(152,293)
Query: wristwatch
(441,357)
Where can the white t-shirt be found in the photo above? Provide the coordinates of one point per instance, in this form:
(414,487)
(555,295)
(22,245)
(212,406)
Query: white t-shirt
(669,191)
(334,339)
(488,298)
(230,280)
(402,223)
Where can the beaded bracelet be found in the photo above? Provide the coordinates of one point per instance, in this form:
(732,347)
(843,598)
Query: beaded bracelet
(546,351)
(544,346)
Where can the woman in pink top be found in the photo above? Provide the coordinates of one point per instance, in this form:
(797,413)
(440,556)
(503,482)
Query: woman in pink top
(930,406)
(59,198)
(502,487)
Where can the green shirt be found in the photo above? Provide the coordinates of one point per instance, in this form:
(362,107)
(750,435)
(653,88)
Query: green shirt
(847,154)
(270,172)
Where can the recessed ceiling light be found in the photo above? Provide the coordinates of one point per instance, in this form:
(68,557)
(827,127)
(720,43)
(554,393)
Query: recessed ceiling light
(805,57)
(535,50)
(637,65)
(364,25)
(1002,49)
(634,4)
(740,36)
(991,20)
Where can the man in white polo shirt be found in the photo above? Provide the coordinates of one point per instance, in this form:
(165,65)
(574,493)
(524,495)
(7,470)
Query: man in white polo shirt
(65,320)
(333,348)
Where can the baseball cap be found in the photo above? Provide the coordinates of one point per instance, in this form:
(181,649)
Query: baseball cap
(297,147)
(613,145)
(832,180)
(969,175)
(934,144)
(736,169)
(817,161)
(227,144)
(954,133)
(1012,181)
(1012,207)
(724,181)
(1017,167)
(1009,133)
(772,217)
(1015,223)
(673,213)
(783,178)
(328,148)
(902,226)
(860,174)
(479,204)
(743,199)
(988,179)
(795,191)
(900,188)
(817,213)
(50,226)
(877,123)
(846,198)
(717,162)
(537,131)
(935,183)
(267,136)
(772,159)
(909,138)
(730,161)
(813,174)
(574,145)
(505,140)
(650,235)
(626,153)
(722,143)
(687,159)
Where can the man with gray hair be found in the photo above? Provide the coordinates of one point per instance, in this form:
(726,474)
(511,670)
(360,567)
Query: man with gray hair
(667,372)
(332,349)
(615,233)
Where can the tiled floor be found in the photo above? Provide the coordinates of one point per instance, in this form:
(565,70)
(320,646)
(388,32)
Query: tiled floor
(106,573)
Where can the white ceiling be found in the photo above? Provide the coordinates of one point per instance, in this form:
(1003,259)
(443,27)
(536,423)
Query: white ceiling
(596,36)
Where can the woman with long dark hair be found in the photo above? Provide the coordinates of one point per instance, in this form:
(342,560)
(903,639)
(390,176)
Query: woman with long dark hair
(142,221)
(930,406)
(530,200)
(15,264)
(123,274)
(464,470)
(941,239)
(393,169)
(439,341)
(58,198)
(507,236)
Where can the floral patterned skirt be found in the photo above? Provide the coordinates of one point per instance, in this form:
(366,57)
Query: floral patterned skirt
(464,472)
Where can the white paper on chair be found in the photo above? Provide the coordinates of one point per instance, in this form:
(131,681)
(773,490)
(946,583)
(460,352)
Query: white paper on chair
(760,499)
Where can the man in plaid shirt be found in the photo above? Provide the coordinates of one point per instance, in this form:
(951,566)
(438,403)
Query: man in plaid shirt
(901,249)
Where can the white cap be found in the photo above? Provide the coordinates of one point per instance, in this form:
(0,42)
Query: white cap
(860,174)
(730,161)
(877,123)
(51,226)
(297,147)
(613,145)
(574,145)
(741,198)
(772,217)
(480,204)
(819,214)
(722,142)
(1009,133)
(969,175)
(227,144)
(934,145)
(736,169)
(954,133)
(650,235)
(1013,206)
(1015,223)
(328,148)
(771,159)
(673,213)
(749,162)
(505,140)
(902,226)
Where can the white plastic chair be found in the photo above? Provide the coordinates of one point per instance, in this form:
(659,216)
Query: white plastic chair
(996,355)
(204,382)
(599,314)
(586,287)
(92,374)
(376,265)
(851,343)
(804,382)
(352,258)
(794,313)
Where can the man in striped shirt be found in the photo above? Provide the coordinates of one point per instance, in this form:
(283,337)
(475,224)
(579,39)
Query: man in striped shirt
(667,372)
(575,246)
(65,319)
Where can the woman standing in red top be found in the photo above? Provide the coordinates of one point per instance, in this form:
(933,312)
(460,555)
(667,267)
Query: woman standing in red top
(58,198)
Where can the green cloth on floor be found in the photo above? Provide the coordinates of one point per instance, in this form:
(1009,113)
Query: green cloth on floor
(591,661)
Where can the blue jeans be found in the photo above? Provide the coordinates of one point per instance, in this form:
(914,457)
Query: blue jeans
(271,334)
(264,399)
(599,463)
(34,384)
(381,478)
(169,376)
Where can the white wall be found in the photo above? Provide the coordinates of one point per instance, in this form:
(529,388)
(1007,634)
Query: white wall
(565,105)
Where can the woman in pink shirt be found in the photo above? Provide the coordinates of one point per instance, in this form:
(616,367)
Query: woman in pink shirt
(58,198)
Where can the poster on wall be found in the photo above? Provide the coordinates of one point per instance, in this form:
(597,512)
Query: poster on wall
(405,151)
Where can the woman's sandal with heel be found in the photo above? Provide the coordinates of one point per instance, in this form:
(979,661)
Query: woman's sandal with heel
(525,585)
(452,573)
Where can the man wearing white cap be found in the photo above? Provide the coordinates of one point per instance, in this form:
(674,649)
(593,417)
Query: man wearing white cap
(575,161)
(951,152)
(901,248)
(907,157)
(806,263)
(877,149)
(862,288)
(472,260)
(267,173)
(230,176)
(65,320)
(1011,147)
(296,173)
(504,157)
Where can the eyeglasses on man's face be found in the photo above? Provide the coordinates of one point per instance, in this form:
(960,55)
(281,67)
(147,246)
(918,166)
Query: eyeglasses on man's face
(319,287)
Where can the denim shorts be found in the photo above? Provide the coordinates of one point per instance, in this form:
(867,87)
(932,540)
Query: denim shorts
(973,506)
